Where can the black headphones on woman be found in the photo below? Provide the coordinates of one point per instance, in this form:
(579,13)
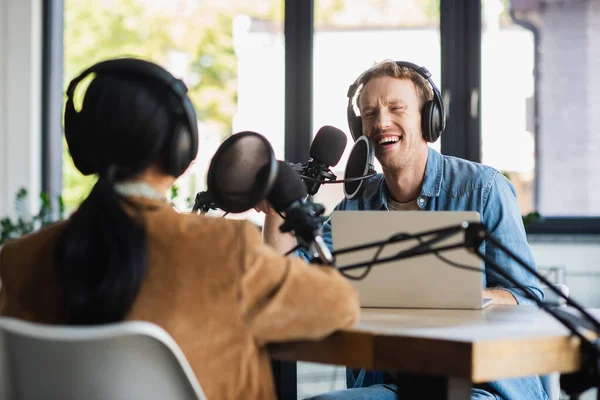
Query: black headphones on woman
(433,118)
(180,149)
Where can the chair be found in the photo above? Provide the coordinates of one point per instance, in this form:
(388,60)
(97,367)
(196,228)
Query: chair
(551,382)
(553,298)
(120,361)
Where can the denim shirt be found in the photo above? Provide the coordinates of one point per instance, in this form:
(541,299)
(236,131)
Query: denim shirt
(455,184)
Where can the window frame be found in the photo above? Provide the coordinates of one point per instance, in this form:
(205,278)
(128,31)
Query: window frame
(52,99)
(460,36)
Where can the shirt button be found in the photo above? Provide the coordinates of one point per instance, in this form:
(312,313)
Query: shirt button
(421,200)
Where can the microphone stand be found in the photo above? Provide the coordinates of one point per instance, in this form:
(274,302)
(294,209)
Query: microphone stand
(203,202)
(314,175)
(305,219)
(474,234)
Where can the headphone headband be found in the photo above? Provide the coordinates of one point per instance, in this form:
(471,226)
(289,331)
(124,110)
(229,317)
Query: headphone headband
(131,66)
(180,149)
(433,116)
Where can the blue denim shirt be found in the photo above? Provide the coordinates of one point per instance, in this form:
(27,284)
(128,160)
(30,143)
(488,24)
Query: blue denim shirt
(454,184)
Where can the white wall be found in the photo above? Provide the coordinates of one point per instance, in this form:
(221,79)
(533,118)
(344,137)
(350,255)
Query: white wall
(578,257)
(20,99)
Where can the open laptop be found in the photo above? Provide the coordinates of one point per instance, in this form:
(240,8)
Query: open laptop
(419,282)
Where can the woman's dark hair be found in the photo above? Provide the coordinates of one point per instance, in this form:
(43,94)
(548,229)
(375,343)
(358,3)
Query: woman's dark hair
(101,254)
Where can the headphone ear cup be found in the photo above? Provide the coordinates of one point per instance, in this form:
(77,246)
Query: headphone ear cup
(354,121)
(179,153)
(431,121)
(356,127)
(72,137)
(182,146)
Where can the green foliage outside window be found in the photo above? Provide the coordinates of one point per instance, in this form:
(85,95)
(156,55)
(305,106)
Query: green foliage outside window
(25,223)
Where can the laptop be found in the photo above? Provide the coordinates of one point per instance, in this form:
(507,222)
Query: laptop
(423,281)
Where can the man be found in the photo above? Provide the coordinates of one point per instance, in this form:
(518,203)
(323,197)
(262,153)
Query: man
(401,111)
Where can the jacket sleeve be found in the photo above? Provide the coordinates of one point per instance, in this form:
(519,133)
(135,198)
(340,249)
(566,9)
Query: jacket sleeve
(284,298)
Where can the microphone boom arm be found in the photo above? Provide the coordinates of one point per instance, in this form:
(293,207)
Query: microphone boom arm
(474,234)
(305,220)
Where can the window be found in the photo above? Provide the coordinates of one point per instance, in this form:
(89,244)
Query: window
(350,37)
(229,53)
(539,102)
(507,89)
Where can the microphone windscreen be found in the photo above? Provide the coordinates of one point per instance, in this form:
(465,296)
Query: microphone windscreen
(328,146)
(287,188)
(359,164)
(241,172)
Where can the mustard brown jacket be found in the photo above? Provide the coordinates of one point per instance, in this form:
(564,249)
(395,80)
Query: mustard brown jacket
(212,283)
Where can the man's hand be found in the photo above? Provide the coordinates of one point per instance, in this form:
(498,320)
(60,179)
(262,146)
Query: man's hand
(499,296)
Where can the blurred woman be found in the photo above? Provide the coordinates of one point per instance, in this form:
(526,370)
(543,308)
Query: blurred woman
(126,254)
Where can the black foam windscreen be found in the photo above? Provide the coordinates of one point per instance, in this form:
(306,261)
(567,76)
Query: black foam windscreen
(287,188)
(242,172)
(328,145)
(359,164)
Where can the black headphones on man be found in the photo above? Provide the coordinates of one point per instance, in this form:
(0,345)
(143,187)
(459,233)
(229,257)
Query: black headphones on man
(180,149)
(433,117)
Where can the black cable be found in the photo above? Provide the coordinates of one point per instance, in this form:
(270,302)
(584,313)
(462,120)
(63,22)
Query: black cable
(368,267)
(325,182)
(437,254)
(526,290)
(457,265)
(395,237)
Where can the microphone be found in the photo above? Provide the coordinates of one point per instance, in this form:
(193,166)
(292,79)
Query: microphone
(302,216)
(326,150)
(241,173)
(359,167)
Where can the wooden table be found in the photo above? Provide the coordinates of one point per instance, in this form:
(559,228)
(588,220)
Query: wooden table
(460,346)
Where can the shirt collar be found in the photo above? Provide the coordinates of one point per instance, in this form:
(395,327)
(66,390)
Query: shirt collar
(383,194)
(432,183)
(434,172)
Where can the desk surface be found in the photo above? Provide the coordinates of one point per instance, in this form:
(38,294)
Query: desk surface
(479,345)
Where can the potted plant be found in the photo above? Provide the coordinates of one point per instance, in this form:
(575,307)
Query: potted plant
(25,223)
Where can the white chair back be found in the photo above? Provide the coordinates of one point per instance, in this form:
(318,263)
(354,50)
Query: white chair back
(552,298)
(121,361)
